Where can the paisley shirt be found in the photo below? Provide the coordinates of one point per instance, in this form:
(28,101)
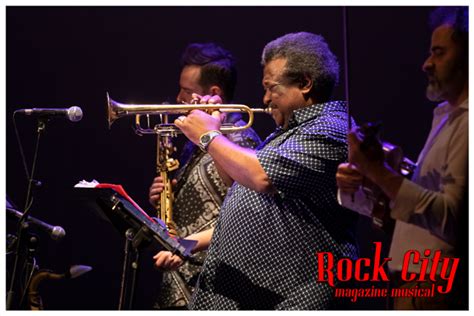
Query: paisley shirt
(198,196)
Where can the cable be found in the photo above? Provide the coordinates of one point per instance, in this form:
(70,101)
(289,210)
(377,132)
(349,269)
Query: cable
(20,146)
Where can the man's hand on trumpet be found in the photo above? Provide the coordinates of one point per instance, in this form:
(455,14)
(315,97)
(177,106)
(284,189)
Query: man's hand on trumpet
(206,99)
(197,122)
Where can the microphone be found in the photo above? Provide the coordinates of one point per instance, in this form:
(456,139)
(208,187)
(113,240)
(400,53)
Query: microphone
(74,113)
(55,232)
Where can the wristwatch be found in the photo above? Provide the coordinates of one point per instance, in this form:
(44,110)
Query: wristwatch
(206,138)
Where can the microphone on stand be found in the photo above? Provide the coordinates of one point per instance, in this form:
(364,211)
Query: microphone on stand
(55,232)
(74,113)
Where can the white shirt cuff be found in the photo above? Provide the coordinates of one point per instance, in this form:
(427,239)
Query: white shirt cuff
(357,202)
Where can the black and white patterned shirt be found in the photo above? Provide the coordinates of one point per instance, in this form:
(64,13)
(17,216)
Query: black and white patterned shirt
(263,251)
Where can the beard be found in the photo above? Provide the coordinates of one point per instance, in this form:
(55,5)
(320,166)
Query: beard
(447,83)
(434,91)
(278,118)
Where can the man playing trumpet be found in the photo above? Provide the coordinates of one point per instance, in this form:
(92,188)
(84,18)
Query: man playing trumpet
(282,207)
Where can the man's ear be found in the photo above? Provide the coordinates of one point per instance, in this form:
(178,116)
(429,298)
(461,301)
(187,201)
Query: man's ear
(306,85)
(216,90)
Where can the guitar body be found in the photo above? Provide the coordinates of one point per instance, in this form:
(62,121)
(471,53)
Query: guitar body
(377,150)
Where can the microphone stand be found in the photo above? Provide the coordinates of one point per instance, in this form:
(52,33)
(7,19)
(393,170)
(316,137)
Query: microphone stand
(133,240)
(22,223)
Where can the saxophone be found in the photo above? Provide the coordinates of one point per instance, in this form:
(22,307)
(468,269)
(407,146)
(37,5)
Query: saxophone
(164,165)
(34,299)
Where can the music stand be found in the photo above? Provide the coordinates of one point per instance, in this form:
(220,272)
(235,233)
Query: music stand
(113,204)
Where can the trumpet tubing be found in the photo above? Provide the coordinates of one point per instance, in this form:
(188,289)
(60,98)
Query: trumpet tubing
(118,110)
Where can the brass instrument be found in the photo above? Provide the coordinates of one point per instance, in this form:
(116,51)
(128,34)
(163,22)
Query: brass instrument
(34,299)
(164,165)
(164,131)
(117,110)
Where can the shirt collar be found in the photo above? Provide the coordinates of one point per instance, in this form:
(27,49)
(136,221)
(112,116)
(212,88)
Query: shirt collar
(310,112)
(445,107)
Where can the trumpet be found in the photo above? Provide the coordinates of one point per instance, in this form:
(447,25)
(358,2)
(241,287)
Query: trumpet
(118,110)
(165,131)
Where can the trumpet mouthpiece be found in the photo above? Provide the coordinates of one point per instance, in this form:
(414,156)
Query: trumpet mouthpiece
(267,110)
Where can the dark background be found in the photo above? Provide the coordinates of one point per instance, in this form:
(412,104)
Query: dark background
(66,56)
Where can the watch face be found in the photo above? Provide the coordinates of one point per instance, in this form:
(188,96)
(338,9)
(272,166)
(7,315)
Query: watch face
(205,138)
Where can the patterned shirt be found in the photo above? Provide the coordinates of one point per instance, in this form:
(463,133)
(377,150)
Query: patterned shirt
(198,196)
(263,251)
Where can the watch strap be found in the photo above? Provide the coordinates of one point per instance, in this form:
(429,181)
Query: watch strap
(206,138)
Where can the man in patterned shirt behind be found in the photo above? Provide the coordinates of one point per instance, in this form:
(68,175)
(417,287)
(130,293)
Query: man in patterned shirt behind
(199,187)
(282,208)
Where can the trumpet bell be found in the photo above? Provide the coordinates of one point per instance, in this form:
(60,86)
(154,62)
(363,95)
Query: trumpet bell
(112,111)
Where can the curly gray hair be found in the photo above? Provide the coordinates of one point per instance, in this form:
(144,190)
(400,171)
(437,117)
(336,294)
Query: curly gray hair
(307,55)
